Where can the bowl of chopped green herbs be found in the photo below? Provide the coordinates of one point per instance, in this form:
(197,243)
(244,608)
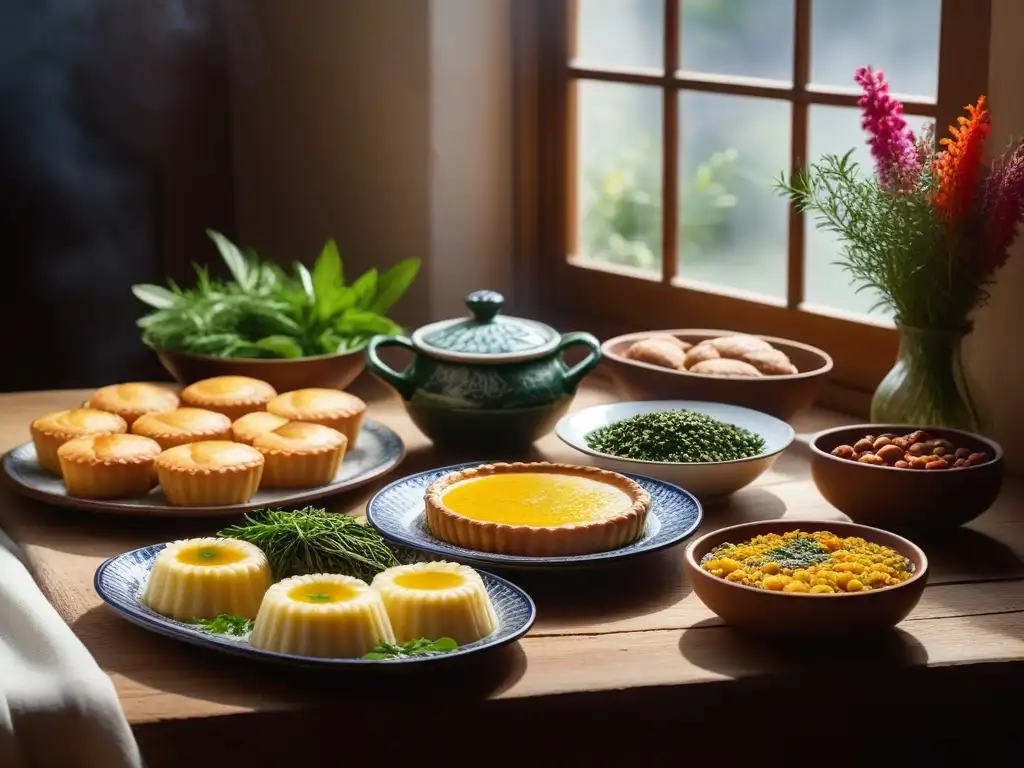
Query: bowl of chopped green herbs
(303,328)
(710,449)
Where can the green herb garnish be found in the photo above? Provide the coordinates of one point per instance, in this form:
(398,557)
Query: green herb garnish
(312,540)
(799,553)
(413,648)
(678,436)
(225,624)
(263,311)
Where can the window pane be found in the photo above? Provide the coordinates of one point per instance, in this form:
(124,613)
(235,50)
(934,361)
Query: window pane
(621,33)
(733,224)
(747,38)
(901,38)
(619,176)
(835,131)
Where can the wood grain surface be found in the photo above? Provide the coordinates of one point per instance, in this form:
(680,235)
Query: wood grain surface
(629,633)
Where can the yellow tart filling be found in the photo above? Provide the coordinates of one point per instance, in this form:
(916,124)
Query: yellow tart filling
(430,580)
(320,593)
(210,555)
(537,499)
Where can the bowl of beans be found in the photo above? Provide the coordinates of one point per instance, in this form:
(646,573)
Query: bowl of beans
(710,449)
(899,476)
(807,578)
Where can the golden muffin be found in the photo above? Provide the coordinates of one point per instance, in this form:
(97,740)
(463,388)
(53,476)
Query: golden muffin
(183,425)
(300,455)
(330,407)
(50,432)
(209,473)
(245,429)
(657,352)
(132,400)
(108,466)
(234,396)
(726,367)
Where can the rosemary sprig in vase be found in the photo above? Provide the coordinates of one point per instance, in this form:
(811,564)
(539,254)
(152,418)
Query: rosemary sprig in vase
(926,233)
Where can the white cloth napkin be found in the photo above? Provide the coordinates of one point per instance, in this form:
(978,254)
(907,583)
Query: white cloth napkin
(58,709)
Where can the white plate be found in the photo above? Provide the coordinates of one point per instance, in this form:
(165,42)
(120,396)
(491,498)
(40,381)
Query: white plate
(707,481)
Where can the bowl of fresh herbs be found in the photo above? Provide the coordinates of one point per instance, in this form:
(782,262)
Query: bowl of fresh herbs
(710,449)
(303,328)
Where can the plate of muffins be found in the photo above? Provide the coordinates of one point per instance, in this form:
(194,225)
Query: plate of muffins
(221,446)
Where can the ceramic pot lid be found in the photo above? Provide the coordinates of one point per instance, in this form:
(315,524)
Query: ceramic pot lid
(486,336)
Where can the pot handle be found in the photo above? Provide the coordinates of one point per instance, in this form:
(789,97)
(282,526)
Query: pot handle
(573,376)
(400,380)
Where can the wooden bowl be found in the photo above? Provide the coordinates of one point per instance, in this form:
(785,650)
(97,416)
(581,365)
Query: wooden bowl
(780,396)
(804,615)
(887,497)
(284,375)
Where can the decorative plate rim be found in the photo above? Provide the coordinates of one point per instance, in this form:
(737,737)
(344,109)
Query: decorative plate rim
(439,548)
(139,615)
(118,507)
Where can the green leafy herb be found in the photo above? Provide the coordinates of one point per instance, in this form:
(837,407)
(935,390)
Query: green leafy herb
(312,540)
(264,311)
(413,648)
(226,624)
(675,436)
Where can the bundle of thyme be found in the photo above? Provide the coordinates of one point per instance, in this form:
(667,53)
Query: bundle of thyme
(312,540)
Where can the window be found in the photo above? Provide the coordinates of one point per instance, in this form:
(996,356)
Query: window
(651,133)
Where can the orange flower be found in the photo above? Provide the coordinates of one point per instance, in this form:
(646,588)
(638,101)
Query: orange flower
(958,167)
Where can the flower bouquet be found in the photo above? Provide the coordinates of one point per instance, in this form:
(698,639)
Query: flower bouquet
(927,233)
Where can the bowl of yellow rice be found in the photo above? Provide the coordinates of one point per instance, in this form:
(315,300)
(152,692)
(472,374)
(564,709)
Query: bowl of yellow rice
(807,578)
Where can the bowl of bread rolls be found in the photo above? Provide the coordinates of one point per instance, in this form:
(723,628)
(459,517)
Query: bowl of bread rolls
(775,376)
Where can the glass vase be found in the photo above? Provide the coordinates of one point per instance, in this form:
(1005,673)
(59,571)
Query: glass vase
(927,385)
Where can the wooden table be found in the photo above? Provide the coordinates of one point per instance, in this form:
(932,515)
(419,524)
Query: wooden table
(630,639)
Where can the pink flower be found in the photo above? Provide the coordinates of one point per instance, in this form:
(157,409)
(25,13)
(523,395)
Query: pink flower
(1004,207)
(897,161)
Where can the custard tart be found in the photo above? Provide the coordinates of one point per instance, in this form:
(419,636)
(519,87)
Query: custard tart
(322,614)
(203,578)
(50,432)
(132,400)
(234,396)
(330,407)
(536,509)
(108,466)
(209,473)
(183,425)
(436,599)
(300,455)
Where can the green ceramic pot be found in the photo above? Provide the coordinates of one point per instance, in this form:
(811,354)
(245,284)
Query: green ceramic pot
(487,381)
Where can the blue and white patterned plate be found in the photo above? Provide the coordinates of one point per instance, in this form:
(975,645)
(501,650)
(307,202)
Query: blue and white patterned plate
(397,511)
(120,580)
(378,451)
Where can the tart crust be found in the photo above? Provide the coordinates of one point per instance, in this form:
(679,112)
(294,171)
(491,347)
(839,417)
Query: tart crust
(108,466)
(537,541)
(329,407)
(209,473)
(300,455)
(132,400)
(234,396)
(50,432)
(183,425)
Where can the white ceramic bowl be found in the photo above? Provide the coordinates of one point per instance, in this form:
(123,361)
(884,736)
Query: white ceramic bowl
(707,481)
